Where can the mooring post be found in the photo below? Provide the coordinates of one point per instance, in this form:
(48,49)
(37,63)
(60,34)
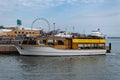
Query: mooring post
(109,48)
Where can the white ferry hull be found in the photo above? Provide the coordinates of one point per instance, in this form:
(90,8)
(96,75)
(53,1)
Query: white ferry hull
(49,51)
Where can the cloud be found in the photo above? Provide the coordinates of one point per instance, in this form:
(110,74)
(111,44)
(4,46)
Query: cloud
(41,3)
(52,3)
(93,1)
(25,3)
(72,1)
(46,3)
(6,5)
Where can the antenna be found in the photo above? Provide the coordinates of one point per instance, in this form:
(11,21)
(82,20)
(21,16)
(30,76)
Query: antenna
(73,29)
(54,26)
(65,29)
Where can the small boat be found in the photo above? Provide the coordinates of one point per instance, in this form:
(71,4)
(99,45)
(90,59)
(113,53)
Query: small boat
(63,46)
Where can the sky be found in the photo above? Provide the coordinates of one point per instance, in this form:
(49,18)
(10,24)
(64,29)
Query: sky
(83,15)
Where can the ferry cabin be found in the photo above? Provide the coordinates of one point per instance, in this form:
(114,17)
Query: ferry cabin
(66,43)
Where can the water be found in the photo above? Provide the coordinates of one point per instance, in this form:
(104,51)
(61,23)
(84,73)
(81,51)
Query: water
(15,67)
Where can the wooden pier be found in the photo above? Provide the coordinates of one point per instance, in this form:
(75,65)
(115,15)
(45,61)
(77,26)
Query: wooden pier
(9,49)
(8,46)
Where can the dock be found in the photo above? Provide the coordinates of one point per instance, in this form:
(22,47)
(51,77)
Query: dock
(8,47)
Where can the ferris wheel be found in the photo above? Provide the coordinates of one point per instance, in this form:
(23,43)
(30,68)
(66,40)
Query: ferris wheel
(41,23)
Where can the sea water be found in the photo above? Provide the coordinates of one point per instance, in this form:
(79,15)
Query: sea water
(102,67)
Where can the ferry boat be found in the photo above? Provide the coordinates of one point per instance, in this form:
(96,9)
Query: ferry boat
(63,45)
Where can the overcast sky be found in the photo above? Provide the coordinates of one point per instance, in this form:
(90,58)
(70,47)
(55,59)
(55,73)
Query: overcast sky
(84,15)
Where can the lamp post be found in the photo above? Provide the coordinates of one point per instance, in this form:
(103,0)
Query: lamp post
(73,29)
(54,34)
(54,26)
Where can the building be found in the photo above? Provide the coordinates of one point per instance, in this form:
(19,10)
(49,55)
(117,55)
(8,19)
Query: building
(29,33)
(3,32)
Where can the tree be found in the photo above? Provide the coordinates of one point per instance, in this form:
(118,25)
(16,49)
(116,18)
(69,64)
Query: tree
(2,27)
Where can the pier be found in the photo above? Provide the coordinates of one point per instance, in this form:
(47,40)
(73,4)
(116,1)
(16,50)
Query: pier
(8,46)
(9,49)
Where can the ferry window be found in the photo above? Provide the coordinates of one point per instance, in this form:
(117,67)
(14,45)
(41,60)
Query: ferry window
(80,46)
(19,32)
(29,32)
(22,32)
(87,46)
(32,41)
(26,32)
(60,42)
(32,32)
(55,41)
(84,46)
(15,32)
(101,46)
(42,41)
(94,45)
(50,42)
(24,42)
